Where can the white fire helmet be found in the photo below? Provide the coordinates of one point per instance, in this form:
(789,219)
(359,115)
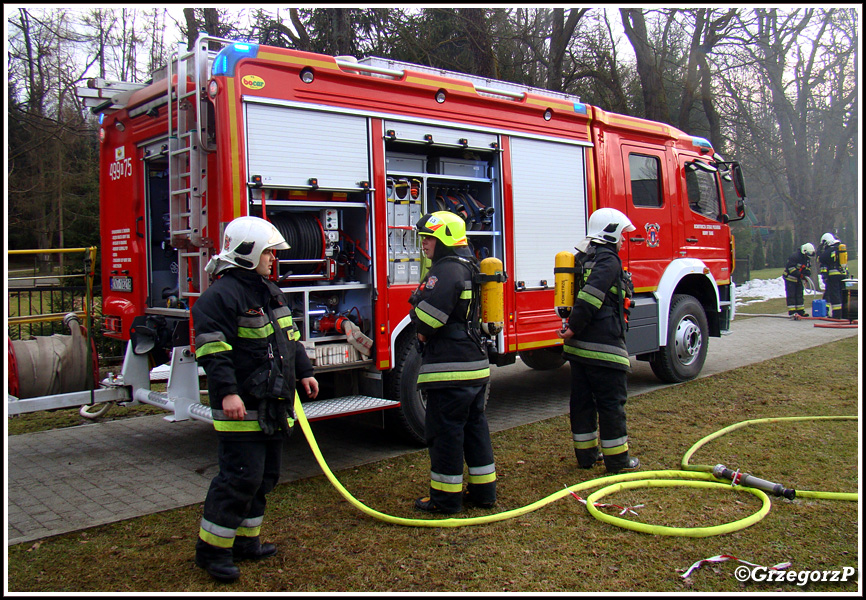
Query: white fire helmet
(607,225)
(808,249)
(828,239)
(244,240)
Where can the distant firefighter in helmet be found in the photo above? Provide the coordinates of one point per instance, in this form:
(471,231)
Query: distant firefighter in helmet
(797,269)
(833,267)
(594,344)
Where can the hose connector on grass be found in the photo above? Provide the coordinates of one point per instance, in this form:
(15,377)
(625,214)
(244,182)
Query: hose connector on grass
(744,479)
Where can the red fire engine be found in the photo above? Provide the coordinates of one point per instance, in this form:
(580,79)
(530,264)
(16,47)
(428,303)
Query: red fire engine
(343,156)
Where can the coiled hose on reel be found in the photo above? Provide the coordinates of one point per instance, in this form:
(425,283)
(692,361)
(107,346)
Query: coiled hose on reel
(305,236)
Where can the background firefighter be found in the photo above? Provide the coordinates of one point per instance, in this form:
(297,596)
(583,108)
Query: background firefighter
(248,346)
(594,344)
(797,269)
(454,369)
(833,267)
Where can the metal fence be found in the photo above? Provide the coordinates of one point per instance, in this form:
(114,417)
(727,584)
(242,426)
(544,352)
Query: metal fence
(37,302)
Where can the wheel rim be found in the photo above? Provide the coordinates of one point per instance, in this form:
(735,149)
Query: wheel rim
(688,341)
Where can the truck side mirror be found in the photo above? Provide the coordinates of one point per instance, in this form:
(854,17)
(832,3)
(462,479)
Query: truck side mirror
(739,182)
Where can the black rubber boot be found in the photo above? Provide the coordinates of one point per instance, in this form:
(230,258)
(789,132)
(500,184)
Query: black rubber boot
(427,505)
(587,459)
(252,549)
(631,464)
(217,562)
(469,501)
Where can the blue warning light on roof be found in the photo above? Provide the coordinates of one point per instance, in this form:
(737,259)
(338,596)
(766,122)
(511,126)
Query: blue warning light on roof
(701,142)
(580,108)
(227,59)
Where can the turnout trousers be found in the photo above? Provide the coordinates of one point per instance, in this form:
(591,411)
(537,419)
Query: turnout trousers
(794,297)
(235,503)
(597,411)
(456,427)
(833,294)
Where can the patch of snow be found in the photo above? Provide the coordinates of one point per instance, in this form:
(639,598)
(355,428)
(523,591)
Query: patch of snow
(759,290)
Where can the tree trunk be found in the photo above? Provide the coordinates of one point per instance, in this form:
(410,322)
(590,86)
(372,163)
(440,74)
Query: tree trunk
(655,100)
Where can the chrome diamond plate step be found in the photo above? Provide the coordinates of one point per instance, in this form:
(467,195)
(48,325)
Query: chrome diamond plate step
(347,405)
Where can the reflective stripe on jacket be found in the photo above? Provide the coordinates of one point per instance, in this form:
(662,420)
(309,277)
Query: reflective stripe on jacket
(440,312)
(599,337)
(235,338)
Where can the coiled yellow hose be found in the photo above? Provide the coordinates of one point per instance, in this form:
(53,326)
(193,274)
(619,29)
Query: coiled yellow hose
(695,477)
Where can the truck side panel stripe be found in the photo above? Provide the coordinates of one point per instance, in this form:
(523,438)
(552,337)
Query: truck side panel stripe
(235,153)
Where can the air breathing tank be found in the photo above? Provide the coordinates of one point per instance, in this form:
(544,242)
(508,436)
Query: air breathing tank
(492,297)
(563,296)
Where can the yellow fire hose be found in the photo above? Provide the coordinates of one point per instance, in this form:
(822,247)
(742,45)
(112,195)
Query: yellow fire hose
(612,484)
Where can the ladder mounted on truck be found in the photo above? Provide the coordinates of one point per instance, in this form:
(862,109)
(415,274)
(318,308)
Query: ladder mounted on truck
(189,144)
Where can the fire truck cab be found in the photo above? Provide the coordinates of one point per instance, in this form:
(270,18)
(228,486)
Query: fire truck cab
(344,156)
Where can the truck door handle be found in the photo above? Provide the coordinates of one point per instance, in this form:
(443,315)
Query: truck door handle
(692,240)
(638,240)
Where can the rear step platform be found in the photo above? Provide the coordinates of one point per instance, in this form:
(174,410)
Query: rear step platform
(347,405)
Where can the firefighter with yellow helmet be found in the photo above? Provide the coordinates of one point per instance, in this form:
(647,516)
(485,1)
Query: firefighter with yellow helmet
(594,344)
(454,371)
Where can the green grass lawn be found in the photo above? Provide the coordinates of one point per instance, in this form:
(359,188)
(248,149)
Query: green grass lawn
(327,545)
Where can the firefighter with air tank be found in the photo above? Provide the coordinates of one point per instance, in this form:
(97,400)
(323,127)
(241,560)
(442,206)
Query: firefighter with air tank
(833,267)
(594,327)
(455,370)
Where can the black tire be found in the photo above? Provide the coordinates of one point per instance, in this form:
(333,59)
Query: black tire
(682,358)
(407,420)
(543,359)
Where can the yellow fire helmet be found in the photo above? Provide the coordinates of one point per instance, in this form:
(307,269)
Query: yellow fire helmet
(447,227)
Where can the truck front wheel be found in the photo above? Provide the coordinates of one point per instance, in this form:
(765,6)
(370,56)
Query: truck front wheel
(683,357)
(407,420)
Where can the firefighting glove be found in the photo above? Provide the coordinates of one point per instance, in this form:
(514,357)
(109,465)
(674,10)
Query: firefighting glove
(274,415)
(267,421)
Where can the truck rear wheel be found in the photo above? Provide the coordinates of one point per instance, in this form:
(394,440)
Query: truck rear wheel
(683,357)
(407,421)
(543,359)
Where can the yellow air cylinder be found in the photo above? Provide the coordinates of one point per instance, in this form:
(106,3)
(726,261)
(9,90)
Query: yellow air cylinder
(563,274)
(842,254)
(492,296)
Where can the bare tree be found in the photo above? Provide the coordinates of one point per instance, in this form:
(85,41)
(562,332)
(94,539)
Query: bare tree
(45,128)
(800,113)
(708,31)
(649,64)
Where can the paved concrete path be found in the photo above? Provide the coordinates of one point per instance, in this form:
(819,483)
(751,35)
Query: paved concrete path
(79,477)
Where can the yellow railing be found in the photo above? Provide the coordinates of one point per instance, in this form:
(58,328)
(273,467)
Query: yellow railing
(89,268)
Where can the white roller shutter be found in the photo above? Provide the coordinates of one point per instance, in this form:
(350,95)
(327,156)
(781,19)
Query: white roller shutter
(549,186)
(288,146)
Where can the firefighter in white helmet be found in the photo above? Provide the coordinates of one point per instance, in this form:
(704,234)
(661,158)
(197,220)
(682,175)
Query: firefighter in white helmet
(594,344)
(454,370)
(248,346)
(833,267)
(797,268)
